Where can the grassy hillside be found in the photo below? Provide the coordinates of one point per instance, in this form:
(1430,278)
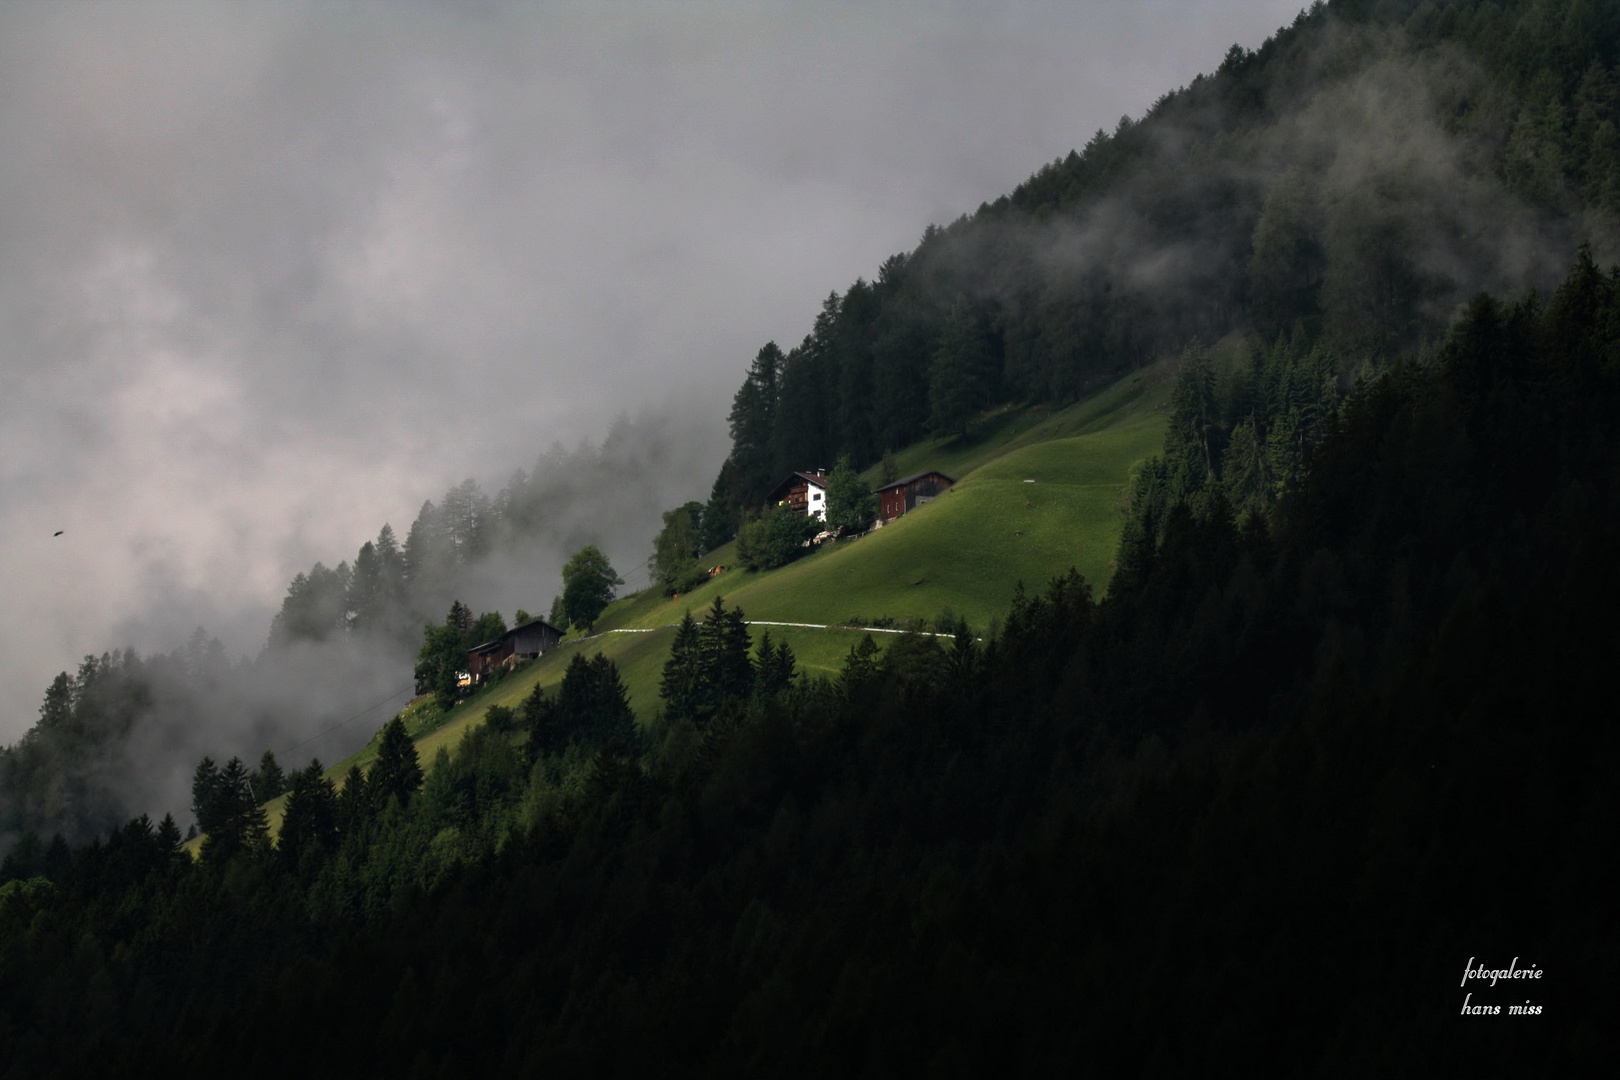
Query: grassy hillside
(1008,428)
(640,657)
(1036,493)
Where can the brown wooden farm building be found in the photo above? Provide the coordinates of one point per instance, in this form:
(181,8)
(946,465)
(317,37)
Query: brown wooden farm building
(519,643)
(910,492)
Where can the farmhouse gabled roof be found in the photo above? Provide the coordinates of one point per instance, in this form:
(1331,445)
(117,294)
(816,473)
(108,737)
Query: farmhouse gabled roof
(815,479)
(904,480)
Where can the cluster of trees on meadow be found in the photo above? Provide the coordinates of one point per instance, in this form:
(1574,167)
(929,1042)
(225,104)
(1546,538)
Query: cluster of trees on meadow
(392,587)
(1287,751)
(768,537)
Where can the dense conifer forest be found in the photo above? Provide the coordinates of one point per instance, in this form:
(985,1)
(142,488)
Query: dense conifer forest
(1340,725)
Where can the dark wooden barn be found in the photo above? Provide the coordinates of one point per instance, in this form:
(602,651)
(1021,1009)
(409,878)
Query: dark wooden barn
(910,492)
(485,658)
(533,638)
(519,643)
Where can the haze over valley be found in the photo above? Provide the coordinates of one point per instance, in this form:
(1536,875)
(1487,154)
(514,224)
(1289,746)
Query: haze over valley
(274,275)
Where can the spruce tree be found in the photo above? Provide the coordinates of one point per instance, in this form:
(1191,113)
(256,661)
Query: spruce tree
(397,773)
(310,824)
(57,711)
(735,674)
(547,732)
(724,668)
(238,822)
(860,666)
(168,835)
(58,858)
(354,801)
(964,655)
(753,425)
(680,685)
(806,383)
(366,589)
(593,702)
(773,667)
(723,513)
(962,379)
(268,781)
(391,567)
(204,789)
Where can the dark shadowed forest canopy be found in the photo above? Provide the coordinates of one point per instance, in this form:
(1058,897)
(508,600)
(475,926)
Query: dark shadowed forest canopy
(1341,721)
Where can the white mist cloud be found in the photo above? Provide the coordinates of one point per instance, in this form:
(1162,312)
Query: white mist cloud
(272,274)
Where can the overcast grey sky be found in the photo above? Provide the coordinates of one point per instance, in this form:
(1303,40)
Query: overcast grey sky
(272,274)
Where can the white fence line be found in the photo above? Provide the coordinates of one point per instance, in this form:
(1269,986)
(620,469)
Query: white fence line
(763,622)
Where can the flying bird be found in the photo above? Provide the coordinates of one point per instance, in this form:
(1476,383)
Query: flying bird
(58,532)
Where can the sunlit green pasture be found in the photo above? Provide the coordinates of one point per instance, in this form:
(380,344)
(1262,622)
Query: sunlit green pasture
(1036,494)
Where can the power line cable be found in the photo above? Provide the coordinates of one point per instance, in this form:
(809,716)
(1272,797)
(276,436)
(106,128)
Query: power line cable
(350,720)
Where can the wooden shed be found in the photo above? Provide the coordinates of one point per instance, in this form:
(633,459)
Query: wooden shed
(533,638)
(519,643)
(910,492)
(485,658)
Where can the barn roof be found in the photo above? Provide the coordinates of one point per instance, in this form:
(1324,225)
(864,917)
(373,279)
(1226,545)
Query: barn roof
(512,633)
(904,480)
(532,623)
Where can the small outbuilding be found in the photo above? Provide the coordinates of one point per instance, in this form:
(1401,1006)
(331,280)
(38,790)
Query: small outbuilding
(533,638)
(485,658)
(805,492)
(910,492)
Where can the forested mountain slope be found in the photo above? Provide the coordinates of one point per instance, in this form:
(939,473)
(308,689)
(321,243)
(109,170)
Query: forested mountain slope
(1045,497)
(1355,743)
(1334,194)
(1033,497)
(1346,185)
